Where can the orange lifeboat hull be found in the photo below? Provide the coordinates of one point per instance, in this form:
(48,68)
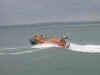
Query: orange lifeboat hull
(58,42)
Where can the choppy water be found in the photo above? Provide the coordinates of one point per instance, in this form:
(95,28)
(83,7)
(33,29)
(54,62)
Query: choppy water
(18,57)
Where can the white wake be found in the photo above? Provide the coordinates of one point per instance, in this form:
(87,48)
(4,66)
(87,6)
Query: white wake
(45,45)
(85,48)
(25,50)
(39,47)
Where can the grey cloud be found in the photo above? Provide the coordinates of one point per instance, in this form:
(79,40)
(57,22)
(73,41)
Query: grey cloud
(29,11)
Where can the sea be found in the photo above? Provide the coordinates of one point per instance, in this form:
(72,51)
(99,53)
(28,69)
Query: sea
(19,57)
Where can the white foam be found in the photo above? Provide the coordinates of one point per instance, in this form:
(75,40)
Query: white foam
(2,49)
(21,52)
(25,50)
(45,45)
(39,47)
(85,48)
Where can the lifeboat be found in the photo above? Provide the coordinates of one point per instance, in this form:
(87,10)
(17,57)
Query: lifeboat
(40,40)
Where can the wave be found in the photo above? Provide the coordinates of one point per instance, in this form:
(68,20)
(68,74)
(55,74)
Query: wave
(19,51)
(74,47)
(85,48)
(39,47)
(45,45)
(25,50)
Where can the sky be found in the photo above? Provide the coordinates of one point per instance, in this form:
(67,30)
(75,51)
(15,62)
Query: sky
(14,12)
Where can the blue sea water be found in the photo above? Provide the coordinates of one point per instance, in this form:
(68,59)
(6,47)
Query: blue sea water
(17,57)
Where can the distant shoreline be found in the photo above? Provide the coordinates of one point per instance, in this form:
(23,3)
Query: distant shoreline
(45,23)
